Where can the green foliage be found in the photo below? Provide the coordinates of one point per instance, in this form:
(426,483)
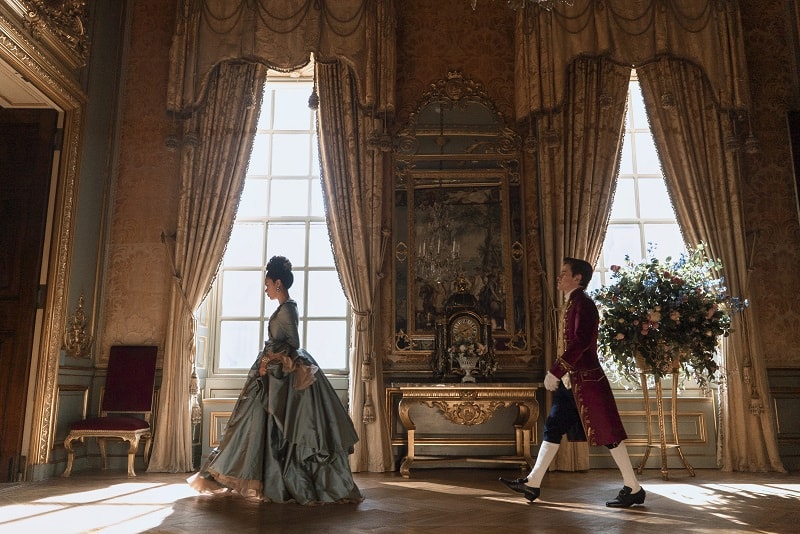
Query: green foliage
(663,311)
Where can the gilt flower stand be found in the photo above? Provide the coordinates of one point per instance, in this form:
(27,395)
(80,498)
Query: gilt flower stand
(662,444)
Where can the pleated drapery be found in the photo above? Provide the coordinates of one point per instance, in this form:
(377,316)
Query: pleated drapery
(215,151)
(352,181)
(700,154)
(282,34)
(578,154)
(704,32)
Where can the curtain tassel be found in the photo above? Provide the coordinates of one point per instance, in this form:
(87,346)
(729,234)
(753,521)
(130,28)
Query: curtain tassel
(367,369)
(368,416)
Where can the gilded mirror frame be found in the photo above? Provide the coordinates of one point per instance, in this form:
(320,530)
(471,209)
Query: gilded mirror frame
(456,161)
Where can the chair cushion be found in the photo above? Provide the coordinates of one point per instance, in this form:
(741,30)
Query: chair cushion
(111,423)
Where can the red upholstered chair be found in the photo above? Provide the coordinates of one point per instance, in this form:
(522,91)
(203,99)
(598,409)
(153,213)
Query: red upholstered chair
(126,406)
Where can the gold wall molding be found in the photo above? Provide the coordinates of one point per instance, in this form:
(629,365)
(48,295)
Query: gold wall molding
(49,76)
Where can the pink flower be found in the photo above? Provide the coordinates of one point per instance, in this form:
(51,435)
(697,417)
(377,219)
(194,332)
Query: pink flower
(615,268)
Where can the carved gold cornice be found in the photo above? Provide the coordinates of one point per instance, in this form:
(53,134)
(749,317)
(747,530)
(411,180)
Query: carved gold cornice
(57,26)
(38,66)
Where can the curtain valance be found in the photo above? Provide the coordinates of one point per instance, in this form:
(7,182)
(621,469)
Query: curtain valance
(704,32)
(282,34)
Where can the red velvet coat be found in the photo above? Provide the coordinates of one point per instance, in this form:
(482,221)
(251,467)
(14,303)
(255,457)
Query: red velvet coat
(596,404)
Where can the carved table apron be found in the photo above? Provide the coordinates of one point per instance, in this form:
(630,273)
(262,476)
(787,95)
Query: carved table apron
(472,404)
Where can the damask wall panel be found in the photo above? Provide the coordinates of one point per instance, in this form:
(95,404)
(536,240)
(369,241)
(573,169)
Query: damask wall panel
(145,195)
(770,199)
(435,38)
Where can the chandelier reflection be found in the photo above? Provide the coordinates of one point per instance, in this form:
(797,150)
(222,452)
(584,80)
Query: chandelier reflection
(438,252)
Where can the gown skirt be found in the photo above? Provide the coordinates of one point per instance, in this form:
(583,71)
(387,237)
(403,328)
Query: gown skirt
(283,443)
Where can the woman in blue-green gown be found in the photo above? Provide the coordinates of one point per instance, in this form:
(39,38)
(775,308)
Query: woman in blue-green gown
(288,437)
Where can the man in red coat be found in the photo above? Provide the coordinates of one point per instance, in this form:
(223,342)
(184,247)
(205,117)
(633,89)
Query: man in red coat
(583,405)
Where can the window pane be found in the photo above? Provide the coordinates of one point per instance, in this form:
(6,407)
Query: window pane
(265,118)
(241,293)
(637,108)
(624,200)
(319,246)
(315,163)
(259,156)
(327,343)
(288,197)
(646,156)
(291,153)
(254,199)
(328,298)
(246,245)
(287,240)
(626,157)
(291,107)
(239,344)
(621,239)
(655,199)
(668,238)
(317,202)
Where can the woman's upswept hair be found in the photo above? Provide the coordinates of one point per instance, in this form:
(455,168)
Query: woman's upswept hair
(280,268)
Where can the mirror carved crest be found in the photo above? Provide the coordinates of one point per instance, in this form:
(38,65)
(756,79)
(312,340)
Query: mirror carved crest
(457,220)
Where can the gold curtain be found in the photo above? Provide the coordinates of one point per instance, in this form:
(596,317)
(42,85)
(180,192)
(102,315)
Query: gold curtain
(215,151)
(352,176)
(282,34)
(578,154)
(702,173)
(704,32)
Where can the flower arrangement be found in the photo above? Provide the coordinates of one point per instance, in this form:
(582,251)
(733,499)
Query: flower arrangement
(467,355)
(659,316)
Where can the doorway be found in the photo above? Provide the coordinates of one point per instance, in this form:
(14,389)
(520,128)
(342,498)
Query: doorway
(27,138)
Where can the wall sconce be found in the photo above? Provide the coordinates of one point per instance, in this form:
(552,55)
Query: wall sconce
(77,341)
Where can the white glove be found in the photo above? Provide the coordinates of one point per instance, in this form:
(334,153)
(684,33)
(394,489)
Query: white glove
(550,381)
(567,381)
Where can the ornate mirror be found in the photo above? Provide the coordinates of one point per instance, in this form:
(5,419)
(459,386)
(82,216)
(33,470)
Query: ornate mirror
(457,219)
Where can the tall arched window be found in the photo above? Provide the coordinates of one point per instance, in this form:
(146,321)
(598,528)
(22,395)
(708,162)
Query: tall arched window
(642,215)
(281,212)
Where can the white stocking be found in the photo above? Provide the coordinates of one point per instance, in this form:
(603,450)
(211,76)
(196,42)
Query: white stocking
(620,455)
(546,454)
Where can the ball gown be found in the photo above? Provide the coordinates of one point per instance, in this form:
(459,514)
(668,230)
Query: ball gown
(289,436)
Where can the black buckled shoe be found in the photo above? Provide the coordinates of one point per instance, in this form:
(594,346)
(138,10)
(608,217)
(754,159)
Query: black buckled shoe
(518,485)
(626,499)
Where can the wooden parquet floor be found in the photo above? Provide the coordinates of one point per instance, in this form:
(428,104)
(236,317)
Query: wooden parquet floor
(460,501)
